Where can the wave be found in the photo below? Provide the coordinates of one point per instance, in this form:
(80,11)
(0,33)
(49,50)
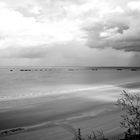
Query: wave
(51,93)
(108,92)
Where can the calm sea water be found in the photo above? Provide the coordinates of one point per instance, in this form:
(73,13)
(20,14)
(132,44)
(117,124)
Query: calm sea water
(25,82)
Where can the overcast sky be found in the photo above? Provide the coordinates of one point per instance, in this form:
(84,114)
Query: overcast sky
(70,32)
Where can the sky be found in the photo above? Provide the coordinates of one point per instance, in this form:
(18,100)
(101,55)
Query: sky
(69,33)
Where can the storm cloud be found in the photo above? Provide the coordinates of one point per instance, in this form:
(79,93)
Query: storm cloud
(75,32)
(119,31)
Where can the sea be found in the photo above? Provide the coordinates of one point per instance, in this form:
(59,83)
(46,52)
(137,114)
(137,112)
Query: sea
(32,82)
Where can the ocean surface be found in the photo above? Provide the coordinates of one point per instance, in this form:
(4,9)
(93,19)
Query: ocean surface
(27,82)
(40,97)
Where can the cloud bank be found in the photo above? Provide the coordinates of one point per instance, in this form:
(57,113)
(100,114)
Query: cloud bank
(75,32)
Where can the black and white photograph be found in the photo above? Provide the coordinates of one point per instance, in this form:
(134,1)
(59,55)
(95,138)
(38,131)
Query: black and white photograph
(69,69)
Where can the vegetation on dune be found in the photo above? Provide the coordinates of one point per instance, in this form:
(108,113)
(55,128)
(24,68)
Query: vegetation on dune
(130,106)
(98,135)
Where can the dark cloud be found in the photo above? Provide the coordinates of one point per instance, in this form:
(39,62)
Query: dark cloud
(100,35)
(121,27)
(128,47)
(119,36)
(119,31)
(98,28)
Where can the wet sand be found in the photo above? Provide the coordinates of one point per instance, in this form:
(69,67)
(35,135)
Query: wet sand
(59,115)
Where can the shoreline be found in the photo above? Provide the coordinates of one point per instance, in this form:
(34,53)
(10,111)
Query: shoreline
(131,86)
(54,93)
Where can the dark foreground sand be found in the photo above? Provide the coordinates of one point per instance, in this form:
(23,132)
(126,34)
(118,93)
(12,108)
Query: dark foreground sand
(55,118)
